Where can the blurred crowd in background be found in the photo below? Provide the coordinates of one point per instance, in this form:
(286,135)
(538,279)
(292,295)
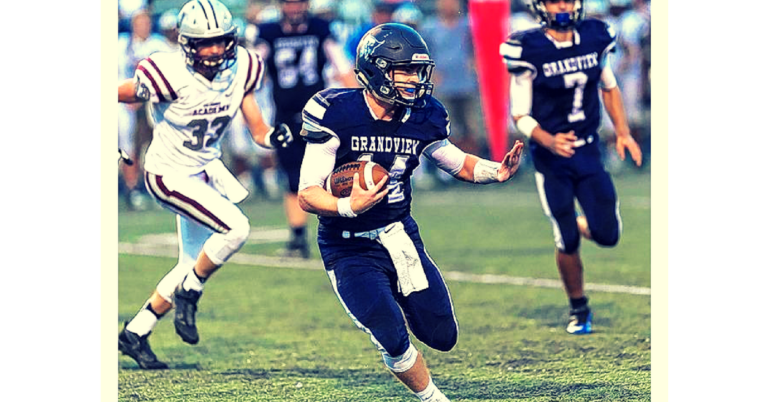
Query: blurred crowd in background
(146,26)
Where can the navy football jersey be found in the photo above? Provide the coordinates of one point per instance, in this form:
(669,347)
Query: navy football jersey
(396,145)
(295,63)
(565,83)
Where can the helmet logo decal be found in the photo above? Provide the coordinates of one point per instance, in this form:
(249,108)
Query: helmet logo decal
(204,14)
(420,56)
(369,46)
(213,12)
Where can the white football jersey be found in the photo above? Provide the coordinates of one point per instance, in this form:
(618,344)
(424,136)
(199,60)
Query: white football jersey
(190,113)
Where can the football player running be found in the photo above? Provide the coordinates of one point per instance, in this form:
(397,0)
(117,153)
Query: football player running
(193,95)
(370,245)
(559,72)
(296,49)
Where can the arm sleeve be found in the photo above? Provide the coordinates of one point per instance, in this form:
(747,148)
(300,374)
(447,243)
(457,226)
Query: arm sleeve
(607,79)
(512,53)
(521,94)
(318,162)
(446,156)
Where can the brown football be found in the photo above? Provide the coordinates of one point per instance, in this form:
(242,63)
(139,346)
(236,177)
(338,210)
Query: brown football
(339,183)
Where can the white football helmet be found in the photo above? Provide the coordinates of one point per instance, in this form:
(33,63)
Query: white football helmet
(204,22)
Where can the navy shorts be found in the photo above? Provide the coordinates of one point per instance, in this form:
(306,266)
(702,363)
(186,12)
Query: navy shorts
(290,157)
(582,177)
(365,281)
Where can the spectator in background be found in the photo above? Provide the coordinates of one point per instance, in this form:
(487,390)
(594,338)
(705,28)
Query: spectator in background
(450,42)
(125,10)
(521,19)
(632,27)
(408,14)
(382,13)
(168,28)
(324,9)
(134,131)
(598,9)
(645,44)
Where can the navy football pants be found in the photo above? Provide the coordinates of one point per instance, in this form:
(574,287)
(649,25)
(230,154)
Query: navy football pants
(365,281)
(582,178)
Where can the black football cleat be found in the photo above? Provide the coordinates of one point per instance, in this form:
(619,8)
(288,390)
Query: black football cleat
(297,248)
(184,318)
(137,348)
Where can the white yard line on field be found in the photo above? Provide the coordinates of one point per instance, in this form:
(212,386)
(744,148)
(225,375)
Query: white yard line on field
(165,245)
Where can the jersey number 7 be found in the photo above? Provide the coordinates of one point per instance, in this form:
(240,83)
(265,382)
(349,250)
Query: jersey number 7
(578,81)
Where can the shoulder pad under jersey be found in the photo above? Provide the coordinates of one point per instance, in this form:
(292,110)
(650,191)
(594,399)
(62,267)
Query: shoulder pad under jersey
(255,66)
(438,118)
(157,77)
(602,33)
(314,128)
(514,51)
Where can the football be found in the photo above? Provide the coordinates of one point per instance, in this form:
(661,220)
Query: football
(339,183)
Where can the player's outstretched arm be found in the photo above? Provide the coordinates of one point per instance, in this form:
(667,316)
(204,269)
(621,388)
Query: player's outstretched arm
(262,133)
(482,171)
(614,105)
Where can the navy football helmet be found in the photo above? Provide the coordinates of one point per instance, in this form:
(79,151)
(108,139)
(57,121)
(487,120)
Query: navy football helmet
(557,21)
(391,46)
(202,23)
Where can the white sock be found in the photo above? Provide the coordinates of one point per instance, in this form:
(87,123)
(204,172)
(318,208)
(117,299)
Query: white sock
(143,322)
(191,281)
(431,394)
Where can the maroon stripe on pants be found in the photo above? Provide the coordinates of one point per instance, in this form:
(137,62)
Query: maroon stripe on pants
(175,194)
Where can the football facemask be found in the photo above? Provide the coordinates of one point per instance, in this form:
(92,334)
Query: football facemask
(213,64)
(408,92)
(557,21)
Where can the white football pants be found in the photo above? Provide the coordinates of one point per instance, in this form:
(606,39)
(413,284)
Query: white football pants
(206,221)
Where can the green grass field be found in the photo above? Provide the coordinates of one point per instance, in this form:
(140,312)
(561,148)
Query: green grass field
(280,334)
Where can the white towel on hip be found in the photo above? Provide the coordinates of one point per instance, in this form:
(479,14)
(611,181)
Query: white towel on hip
(225,182)
(410,272)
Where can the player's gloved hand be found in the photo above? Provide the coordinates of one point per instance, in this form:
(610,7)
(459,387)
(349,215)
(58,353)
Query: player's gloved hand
(280,136)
